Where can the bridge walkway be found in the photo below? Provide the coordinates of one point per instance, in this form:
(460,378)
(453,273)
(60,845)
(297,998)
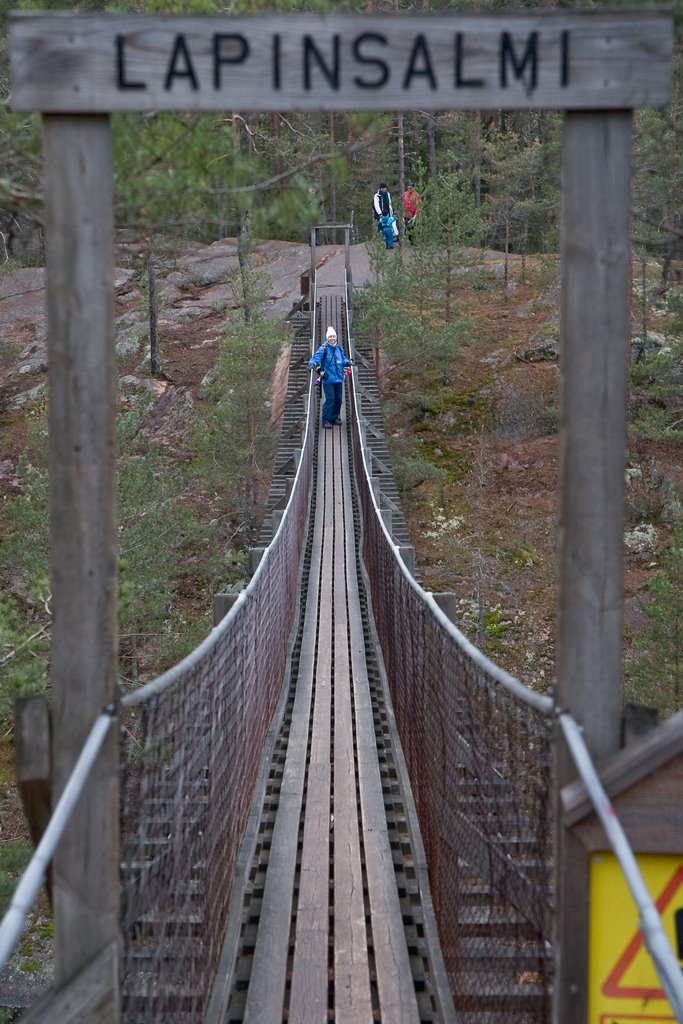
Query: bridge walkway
(334,920)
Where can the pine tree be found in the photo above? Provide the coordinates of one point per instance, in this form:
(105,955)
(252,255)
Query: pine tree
(236,440)
(658,673)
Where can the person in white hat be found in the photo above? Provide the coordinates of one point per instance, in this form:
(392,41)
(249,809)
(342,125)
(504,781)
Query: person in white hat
(330,361)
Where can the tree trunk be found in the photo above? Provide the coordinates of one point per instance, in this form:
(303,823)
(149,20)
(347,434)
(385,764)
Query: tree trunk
(477,166)
(154,355)
(242,259)
(398,210)
(506,272)
(643,267)
(431,143)
(276,122)
(333,184)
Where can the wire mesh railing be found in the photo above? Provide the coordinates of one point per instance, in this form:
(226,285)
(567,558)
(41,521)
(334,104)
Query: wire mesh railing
(478,749)
(479,761)
(190,758)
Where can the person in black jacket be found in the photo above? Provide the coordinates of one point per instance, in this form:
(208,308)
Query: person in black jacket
(381,204)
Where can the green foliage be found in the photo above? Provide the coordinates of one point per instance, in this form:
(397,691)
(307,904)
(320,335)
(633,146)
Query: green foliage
(411,471)
(25,619)
(14,857)
(411,311)
(520,170)
(235,440)
(656,678)
(657,391)
(495,624)
(520,555)
(24,548)
(658,171)
(675,303)
(448,217)
(153,523)
(24,648)
(415,466)
(164,550)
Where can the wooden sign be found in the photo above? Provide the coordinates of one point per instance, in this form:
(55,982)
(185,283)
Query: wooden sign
(65,63)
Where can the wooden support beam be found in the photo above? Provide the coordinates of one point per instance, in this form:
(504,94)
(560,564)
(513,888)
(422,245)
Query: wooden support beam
(222,603)
(447,603)
(407,553)
(576,59)
(85,998)
(79,231)
(276,519)
(255,556)
(594,358)
(32,751)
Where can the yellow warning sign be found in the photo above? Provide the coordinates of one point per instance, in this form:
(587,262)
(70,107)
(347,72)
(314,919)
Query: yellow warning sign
(623,985)
(620,1018)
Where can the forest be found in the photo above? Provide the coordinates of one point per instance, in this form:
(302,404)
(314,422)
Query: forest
(465,319)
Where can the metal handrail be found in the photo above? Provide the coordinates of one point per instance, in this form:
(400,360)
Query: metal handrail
(34,876)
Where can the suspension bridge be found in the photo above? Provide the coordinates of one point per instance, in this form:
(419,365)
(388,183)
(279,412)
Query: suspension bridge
(336,809)
(324,910)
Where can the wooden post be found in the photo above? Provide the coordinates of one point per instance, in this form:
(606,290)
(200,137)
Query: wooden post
(275,519)
(79,258)
(222,603)
(154,356)
(255,556)
(407,553)
(447,602)
(388,519)
(32,753)
(311,278)
(347,263)
(595,334)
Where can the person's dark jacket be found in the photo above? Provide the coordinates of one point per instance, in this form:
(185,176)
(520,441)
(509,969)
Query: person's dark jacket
(381,204)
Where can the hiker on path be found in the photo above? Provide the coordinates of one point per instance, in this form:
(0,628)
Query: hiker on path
(387,226)
(330,361)
(411,204)
(381,204)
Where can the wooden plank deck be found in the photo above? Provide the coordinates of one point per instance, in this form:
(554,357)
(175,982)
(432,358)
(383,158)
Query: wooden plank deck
(331,943)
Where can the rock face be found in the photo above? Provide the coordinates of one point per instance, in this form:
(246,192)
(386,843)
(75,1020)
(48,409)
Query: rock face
(194,292)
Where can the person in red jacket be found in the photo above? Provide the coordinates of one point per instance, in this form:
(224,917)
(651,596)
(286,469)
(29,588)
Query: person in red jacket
(411,205)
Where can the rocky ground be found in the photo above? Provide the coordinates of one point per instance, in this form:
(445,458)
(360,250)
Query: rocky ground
(486,531)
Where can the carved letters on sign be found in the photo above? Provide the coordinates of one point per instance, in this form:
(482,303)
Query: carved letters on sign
(571,60)
(364,60)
